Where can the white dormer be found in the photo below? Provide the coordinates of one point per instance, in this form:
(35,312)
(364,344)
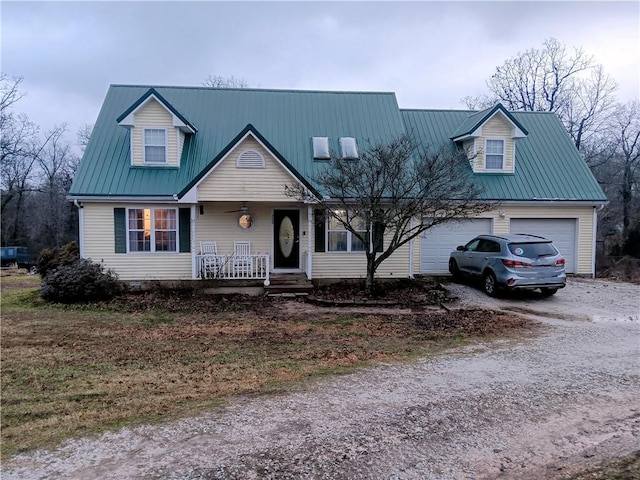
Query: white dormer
(489,139)
(157,131)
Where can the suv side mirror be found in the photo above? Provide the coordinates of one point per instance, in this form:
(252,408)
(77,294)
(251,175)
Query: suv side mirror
(460,248)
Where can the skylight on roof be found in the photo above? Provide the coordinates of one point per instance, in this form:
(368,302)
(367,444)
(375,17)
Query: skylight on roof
(348,147)
(321,148)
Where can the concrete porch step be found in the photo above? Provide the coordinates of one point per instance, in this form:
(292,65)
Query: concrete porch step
(294,283)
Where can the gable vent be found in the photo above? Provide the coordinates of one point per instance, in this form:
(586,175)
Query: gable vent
(250,159)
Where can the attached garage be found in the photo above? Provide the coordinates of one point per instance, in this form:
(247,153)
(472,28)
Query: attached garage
(438,242)
(561,230)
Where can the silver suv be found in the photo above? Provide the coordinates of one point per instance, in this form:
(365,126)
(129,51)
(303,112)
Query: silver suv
(513,261)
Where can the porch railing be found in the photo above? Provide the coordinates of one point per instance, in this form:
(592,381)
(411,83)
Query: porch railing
(234,267)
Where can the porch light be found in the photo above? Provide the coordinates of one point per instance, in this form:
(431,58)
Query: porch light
(246,220)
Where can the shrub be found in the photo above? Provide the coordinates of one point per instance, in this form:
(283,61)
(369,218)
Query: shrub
(52,258)
(81,281)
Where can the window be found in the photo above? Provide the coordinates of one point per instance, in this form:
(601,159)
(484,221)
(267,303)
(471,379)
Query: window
(472,245)
(494,154)
(155,145)
(342,240)
(533,250)
(488,246)
(152,230)
(348,147)
(321,148)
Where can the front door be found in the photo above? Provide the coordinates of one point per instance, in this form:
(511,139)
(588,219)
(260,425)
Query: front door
(286,238)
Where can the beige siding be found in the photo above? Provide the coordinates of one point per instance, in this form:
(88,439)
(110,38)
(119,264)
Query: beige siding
(497,127)
(222,227)
(582,215)
(154,115)
(227,182)
(180,144)
(100,246)
(218,223)
(354,265)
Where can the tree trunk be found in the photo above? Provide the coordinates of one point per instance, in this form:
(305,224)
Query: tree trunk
(371,270)
(626,196)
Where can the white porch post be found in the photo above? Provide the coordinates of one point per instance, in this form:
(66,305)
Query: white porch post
(80,227)
(192,226)
(309,250)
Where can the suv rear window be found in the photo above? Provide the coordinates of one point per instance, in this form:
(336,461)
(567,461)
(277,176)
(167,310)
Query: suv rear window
(533,250)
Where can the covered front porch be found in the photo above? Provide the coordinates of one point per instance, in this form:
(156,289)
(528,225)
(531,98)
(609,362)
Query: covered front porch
(251,240)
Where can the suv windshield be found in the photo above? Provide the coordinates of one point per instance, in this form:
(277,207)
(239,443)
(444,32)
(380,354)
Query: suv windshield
(533,250)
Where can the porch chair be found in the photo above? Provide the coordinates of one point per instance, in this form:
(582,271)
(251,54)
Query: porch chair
(210,266)
(208,248)
(242,261)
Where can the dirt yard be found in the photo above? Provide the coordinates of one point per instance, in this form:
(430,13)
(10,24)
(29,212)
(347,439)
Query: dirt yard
(546,406)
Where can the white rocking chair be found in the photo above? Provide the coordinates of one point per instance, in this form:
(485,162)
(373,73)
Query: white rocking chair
(210,267)
(242,262)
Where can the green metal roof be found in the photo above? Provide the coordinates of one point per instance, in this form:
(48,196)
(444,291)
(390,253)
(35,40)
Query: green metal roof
(287,119)
(547,164)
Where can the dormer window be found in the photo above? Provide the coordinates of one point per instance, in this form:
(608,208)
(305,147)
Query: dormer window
(321,148)
(494,154)
(155,145)
(348,148)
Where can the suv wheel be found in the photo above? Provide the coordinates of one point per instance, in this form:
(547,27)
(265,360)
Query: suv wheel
(489,284)
(453,269)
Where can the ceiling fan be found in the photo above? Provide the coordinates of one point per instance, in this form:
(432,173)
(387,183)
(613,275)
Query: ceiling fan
(243,209)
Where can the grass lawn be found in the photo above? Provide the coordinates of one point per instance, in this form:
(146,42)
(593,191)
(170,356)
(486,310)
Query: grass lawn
(78,370)
(627,468)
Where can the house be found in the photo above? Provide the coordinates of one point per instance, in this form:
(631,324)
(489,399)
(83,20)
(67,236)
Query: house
(171,171)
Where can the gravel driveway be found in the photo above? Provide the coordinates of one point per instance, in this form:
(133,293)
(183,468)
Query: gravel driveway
(539,407)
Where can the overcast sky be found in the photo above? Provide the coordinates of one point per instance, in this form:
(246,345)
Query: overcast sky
(430,53)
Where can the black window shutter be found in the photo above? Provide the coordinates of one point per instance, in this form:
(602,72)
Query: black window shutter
(319,233)
(120,230)
(185,230)
(378,236)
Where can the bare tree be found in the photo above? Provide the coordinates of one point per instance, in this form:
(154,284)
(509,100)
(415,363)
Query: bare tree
(9,93)
(396,191)
(553,79)
(17,143)
(588,109)
(53,162)
(218,81)
(36,173)
(83,135)
(625,128)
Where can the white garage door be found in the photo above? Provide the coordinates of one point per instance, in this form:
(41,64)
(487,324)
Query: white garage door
(561,230)
(438,242)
